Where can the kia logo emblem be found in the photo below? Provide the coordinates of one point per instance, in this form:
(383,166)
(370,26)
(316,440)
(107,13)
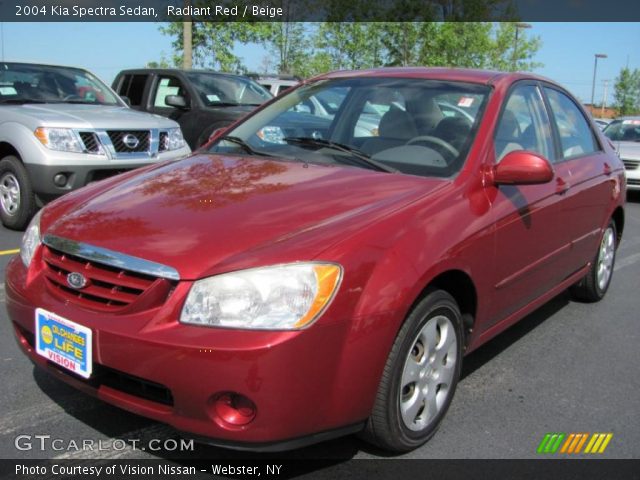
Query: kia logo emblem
(76,280)
(131,141)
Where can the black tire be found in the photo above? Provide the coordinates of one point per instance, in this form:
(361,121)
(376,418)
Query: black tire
(15,210)
(590,288)
(385,427)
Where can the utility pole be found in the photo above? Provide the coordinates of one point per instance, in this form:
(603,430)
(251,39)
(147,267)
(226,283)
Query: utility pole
(604,97)
(593,85)
(187,37)
(519,25)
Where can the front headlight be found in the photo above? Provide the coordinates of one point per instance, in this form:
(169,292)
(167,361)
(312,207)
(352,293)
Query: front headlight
(175,140)
(62,139)
(283,297)
(30,240)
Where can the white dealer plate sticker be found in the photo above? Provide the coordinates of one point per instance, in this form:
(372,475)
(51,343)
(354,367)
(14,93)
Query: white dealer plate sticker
(63,342)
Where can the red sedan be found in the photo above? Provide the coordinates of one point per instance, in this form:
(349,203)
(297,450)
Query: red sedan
(311,275)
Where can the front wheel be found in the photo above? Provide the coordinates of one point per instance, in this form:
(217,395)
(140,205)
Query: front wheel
(17,200)
(595,283)
(420,376)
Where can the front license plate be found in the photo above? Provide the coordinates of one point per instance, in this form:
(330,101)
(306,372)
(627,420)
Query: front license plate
(63,342)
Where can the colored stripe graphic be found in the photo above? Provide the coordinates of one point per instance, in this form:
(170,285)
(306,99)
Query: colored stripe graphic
(573,443)
(551,442)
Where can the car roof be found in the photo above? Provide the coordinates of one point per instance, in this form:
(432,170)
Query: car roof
(486,77)
(34,64)
(178,70)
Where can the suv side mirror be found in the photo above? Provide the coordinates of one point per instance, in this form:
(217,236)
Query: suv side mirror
(521,167)
(177,101)
(126,100)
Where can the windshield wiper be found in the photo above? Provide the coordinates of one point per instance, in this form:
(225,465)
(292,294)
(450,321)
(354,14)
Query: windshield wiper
(361,157)
(244,145)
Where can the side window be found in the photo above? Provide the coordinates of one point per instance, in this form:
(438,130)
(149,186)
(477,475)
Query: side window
(132,87)
(167,86)
(524,125)
(576,137)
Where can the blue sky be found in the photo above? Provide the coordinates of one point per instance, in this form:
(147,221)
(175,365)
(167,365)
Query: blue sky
(105,48)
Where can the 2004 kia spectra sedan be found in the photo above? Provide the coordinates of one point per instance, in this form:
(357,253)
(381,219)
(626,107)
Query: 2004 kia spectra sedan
(295,281)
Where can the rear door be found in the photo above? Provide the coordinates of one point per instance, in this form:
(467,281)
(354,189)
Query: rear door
(592,179)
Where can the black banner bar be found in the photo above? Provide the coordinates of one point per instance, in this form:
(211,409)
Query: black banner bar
(318,10)
(389,469)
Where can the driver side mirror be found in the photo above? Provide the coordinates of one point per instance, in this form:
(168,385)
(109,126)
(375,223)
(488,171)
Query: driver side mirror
(521,167)
(177,101)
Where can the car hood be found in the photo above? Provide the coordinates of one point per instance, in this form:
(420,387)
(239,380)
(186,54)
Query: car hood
(628,150)
(87,116)
(207,214)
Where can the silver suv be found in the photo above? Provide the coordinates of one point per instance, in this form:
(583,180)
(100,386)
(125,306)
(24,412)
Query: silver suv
(62,128)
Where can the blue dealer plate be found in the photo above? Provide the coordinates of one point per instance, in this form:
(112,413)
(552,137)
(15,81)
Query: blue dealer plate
(63,342)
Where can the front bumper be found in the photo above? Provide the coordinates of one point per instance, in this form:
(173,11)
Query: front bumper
(291,377)
(78,174)
(633,177)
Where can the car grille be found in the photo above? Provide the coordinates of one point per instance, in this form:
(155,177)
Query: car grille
(91,142)
(108,288)
(633,181)
(631,164)
(119,140)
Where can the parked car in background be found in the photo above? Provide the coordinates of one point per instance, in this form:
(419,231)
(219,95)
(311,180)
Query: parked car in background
(201,101)
(265,294)
(277,84)
(602,122)
(624,133)
(61,129)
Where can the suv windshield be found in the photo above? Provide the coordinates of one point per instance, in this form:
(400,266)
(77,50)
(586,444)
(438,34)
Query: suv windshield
(215,89)
(26,83)
(624,130)
(414,126)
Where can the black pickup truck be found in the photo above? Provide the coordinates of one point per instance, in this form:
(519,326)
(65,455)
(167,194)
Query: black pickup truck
(201,101)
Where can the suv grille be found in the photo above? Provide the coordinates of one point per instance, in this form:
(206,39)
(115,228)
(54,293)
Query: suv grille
(631,164)
(108,288)
(164,138)
(91,142)
(130,141)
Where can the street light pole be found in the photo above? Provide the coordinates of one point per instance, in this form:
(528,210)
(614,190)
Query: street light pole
(519,25)
(595,68)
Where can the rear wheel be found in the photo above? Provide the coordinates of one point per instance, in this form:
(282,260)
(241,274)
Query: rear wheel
(17,201)
(595,283)
(420,376)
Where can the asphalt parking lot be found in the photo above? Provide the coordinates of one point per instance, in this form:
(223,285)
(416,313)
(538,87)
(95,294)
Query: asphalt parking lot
(569,367)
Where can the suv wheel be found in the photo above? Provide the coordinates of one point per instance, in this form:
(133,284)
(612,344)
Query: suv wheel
(17,201)
(420,377)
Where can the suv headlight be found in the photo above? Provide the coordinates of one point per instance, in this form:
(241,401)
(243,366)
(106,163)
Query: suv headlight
(175,140)
(62,139)
(30,240)
(283,297)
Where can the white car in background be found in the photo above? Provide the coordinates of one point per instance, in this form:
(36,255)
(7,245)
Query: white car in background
(624,133)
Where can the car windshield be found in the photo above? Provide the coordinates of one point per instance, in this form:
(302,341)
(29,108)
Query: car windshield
(215,89)
(415,126)
(26,83)
(624,130)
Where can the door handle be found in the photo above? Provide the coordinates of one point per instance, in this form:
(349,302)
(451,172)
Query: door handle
(561,186)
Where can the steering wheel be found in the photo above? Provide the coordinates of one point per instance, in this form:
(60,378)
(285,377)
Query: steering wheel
(437,141)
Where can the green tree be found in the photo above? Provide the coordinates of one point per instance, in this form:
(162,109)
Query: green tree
(501,54)
(626,91)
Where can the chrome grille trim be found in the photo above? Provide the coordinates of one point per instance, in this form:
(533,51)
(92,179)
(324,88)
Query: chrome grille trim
(111,258)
